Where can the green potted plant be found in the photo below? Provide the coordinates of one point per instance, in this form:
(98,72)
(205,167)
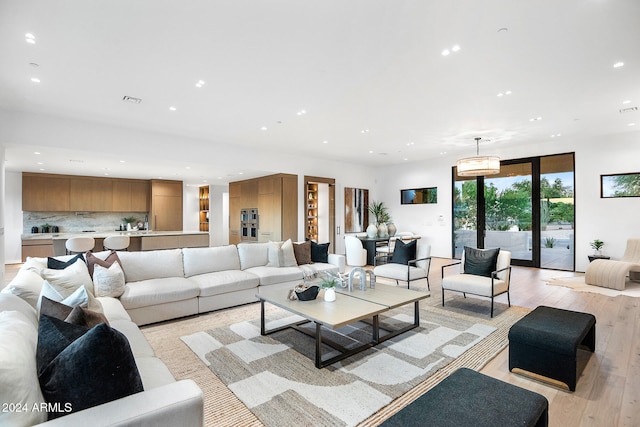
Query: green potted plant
(45,227)
(596,245)
(128,220)
(329,282)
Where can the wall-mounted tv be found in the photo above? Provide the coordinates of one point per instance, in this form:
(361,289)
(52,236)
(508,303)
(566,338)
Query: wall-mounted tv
(416,196)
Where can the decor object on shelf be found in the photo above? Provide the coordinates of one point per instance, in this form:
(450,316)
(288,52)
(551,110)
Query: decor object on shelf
(620,185)
(383,231)
(372,231)
(478,165)
(597,245)
(391,229)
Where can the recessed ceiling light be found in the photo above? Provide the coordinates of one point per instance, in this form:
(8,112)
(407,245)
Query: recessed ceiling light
(370,151)
(618,64)
(558,135)
(35,80)
(535,119)
(500,94)
(631,124)
(240,173)
(200,83)
(301,112)
(364,131)
(42,169)
(455,48)
(442,153)
(263,128)
(508,92)
(40,163)
(36,152)
(445,52)
(172,108)
(30,38)
(325,142)
(187,167)
(219,177)
(409,144)
(405,159)
(626,101)
(122,161)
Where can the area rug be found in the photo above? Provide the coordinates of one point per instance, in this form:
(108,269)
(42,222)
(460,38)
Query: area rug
(279,385)
(577,283)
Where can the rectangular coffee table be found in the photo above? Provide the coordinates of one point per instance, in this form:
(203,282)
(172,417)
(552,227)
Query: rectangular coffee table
(349,307)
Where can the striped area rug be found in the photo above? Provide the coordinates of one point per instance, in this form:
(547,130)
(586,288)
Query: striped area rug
(226,354)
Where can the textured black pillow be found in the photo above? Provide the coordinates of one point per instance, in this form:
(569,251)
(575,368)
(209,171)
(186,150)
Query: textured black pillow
(480,262)
(319,252)
(94,368)
(56,264)
(404,252)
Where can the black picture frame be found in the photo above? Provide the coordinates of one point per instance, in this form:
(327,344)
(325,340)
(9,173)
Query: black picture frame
(620,185)
(418,196)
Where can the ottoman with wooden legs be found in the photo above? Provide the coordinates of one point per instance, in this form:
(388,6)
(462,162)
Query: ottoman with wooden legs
(545,343)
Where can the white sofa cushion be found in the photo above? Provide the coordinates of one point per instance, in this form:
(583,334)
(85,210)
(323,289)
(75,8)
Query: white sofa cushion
(476,285)
(253,254)
(27,285)
(158,291)
(222,282)
(10,302)
(399,272)
(153,372)
(273,275)
(18,373)
(70,278)
(147,265)
(138,343)
(113,309)
(209,260)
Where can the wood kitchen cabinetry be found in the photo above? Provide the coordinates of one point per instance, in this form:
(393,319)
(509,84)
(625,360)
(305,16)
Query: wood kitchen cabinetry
(276,197)
(166,205)
(70,193)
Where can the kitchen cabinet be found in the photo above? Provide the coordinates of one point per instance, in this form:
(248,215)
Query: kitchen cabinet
(130,196)
(276,197)
(42,192)
(166,205)
(40,248)
(91,194)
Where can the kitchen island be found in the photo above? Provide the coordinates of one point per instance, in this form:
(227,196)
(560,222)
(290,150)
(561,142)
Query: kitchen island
(53,244)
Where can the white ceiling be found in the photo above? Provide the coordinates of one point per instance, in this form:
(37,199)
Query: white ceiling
(350,65)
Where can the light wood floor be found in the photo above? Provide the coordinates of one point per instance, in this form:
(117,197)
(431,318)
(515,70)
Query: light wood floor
(608,392)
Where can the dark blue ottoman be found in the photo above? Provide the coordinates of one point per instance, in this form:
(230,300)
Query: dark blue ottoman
(469,398)
(545,342)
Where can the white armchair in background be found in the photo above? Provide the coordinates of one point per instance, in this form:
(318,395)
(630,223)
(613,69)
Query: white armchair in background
(495,284)
(414,269)
(356,253)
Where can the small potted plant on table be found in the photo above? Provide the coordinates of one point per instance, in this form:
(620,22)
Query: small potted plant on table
(597,245)
(328,283)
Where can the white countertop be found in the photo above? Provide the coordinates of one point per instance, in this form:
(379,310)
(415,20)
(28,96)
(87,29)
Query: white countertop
(103,234)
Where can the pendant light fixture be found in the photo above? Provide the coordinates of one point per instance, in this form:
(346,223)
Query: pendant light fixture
(478,165)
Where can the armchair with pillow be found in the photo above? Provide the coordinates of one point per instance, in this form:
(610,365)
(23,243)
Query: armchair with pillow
(483,272)
(409,262)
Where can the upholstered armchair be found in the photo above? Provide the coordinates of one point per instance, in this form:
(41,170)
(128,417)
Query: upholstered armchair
(409,262)
(356,253)
(613,273)
(485,273)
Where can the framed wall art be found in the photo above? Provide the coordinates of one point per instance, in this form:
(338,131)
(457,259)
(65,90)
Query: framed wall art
(416,196)
(620,185)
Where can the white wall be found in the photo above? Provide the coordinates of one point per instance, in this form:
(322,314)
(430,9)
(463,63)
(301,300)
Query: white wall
(12,201)
(190,207)
(610,220)
(219,215)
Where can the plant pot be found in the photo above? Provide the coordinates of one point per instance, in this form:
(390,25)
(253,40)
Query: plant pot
(391,228)
(383,231)
(329,294)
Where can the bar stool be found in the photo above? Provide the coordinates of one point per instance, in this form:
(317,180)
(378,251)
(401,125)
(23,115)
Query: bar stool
(77,245)
(116,243)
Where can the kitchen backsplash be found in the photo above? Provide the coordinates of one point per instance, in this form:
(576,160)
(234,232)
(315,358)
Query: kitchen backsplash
(71,222)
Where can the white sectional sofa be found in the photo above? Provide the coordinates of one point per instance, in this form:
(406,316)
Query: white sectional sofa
(159,285)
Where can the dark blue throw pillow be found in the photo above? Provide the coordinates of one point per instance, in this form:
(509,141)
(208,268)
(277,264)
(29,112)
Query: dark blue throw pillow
(404,252)
(79,368)
(319,252)
(56,264)
(480,262)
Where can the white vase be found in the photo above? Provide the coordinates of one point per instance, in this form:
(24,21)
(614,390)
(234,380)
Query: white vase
(382,230)
(391,228)
(329,294)
(372,231)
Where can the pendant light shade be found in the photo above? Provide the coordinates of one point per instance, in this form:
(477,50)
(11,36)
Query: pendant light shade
(478,165)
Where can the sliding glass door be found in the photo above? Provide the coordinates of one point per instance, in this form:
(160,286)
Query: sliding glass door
(503,211)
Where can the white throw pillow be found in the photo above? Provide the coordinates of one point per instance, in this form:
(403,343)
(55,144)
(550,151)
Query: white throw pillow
(18,373)
(108,282)
(71,278)
(27,285)
(281,254)
(78,297)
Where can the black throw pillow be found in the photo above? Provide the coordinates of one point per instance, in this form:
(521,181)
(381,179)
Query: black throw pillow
(56,264)
(480,262)
(403,252)
(319,252)
(94,368)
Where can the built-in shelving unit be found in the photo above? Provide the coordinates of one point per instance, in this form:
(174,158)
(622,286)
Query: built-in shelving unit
(204,208)
(312,211)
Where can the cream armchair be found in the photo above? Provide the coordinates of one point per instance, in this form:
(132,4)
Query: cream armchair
(495,283)
(613,273)
(413,269)
(356,253)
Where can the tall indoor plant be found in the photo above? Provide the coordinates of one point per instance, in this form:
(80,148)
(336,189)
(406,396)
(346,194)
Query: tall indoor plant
(381,214)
